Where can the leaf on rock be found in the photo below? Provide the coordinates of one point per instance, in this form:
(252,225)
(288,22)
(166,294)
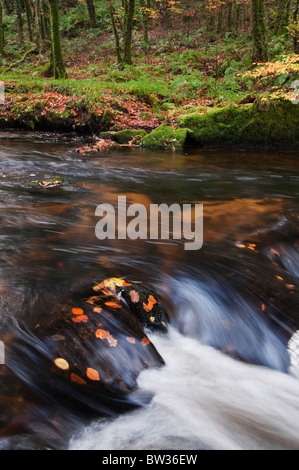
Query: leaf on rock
(134,296)
(92,374)
(77,311)
(101,334)
(78,380)
(61,363)
(80,319)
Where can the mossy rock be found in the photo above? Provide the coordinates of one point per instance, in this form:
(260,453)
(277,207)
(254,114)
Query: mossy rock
(46,183)
(125,136)
(264,123)
(166,138)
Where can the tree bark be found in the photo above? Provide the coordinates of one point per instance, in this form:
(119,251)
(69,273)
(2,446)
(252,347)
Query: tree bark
(259,35)
(2,48)
(19,20)
(282,17)
(57,64)
(296,27)
(128,30)
(29,19)
(144,16)
(91,13)
(115,31)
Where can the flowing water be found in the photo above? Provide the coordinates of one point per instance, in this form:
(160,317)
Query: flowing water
(230,379)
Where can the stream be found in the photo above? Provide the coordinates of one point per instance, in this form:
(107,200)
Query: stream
(230,378)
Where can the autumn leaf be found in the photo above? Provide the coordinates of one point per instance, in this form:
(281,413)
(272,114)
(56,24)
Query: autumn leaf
(61,363)
(92,374)
(77,311)
(101,334)
(145,341)
(112,341)
(113,304)
(131,340)
(80,319)
(134,296)
(97,310)
(151,302)
(78,380)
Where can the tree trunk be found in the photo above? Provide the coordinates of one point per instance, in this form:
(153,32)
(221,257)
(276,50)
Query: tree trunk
(259,35)
(128,30)
(282,17)
(91,13)
(57,64)
(29,19)
(144,16)
(296,27)
(118,48)
(2,48)
(19,20)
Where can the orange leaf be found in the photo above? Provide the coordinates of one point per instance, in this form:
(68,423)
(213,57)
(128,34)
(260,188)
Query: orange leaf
(77,311)
(145,341)
(97,310)
(151,302)
(92,374)
(61,363)
(78,380)
(80,318)
(113,304)
(101,334)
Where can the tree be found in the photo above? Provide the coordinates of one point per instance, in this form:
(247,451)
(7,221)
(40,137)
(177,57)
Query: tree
(91,13)
(296,27)
(259,34)
(2,49)
(128,30)
(57,68)
(282,17)
(124,56)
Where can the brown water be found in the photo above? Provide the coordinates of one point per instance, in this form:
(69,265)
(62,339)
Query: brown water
(238,294)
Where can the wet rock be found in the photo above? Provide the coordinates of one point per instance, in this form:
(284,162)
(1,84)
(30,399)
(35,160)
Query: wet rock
(166,138)
(46,183)
(88,352)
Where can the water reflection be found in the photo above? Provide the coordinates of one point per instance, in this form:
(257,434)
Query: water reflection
(237,294)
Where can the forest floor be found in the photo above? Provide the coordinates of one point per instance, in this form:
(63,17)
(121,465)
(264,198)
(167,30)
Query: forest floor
(174,77)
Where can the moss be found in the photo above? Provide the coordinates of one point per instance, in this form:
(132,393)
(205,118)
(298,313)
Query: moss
(46,183)
(124,136)
(107,116)
(264,123)
(165,137)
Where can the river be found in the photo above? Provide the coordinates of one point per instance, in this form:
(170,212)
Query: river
(230,379)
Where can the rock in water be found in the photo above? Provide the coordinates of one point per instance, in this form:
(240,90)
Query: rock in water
(46,183)
(90,351)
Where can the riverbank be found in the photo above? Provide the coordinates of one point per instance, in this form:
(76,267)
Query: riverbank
(264,123)
(213,92)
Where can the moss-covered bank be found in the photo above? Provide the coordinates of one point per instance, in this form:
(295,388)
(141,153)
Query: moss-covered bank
(265,123)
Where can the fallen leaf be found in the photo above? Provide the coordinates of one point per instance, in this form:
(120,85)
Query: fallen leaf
(131,340)
(78,380)
(101,334)
(113,304)
(80,318)
(145,341)
(97,310)
(61,363)
(77,311)
(92,374)
(134,296)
